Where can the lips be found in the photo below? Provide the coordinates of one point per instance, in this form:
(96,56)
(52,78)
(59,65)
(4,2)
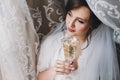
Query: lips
(71,30)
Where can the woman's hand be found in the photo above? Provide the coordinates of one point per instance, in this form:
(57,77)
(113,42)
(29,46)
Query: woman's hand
(64,67)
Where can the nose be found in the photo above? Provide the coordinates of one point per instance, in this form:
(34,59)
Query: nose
(71,23)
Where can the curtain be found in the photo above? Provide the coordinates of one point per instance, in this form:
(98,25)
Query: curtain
(46,14)
(18,41)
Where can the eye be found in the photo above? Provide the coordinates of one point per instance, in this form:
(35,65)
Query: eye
(69,13)
(80,21)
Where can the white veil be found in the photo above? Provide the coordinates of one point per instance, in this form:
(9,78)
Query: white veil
(17,41)
(99,59)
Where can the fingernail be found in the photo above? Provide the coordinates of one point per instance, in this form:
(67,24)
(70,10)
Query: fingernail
(71,65)
(72,68)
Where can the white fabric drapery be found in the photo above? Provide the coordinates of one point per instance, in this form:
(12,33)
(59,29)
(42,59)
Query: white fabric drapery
(108,11)
(18,41)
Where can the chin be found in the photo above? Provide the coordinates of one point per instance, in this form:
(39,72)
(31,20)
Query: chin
(70,33)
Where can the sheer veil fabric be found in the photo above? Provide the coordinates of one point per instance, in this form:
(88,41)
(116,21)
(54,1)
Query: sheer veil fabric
(97,62)
(108,11)
(18,41)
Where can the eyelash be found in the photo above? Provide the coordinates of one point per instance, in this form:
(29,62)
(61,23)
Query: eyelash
(69,14)
(80,21)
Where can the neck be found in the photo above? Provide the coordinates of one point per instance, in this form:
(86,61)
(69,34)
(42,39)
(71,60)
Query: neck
(81,38)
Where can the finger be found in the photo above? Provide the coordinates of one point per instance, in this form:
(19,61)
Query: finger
(67,71)
(62,64)
(59,64)
(60,69)
(75,65)
(72,68)
(68,68)
(63,69)
(67,64)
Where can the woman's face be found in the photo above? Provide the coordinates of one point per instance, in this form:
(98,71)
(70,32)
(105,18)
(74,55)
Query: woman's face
(77,21)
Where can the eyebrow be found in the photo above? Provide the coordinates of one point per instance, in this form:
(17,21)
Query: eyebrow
(81,19)
(78,17)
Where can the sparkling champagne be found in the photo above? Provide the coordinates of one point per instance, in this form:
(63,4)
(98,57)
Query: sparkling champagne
(70,48)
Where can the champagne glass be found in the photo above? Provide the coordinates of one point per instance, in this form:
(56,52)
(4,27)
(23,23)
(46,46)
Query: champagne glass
(70,45)
(70,48)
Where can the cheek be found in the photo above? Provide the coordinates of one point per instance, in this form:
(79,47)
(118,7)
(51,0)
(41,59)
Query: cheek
(82,29)
(66,19)
(67,22)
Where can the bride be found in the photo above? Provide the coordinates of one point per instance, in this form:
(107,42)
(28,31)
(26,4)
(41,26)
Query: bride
(18,41)
(96,58)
